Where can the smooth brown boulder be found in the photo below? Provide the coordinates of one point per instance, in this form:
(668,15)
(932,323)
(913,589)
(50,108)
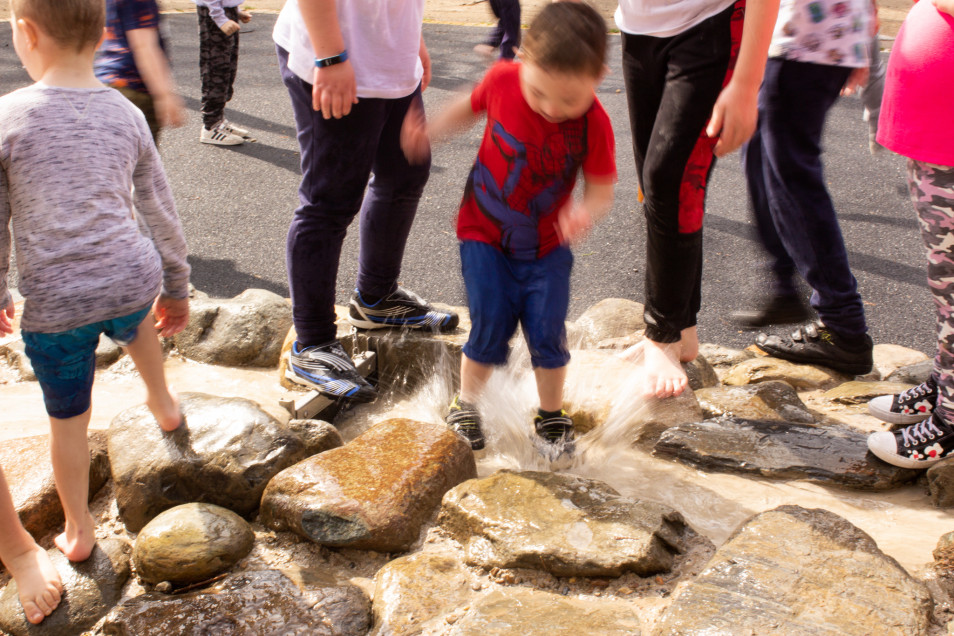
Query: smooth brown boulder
(376,492)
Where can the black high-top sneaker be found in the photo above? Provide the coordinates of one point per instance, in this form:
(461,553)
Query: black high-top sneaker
(907,407)
(917,446)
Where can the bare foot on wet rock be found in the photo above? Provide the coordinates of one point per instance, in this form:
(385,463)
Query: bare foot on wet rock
(664,376)
(78,539)
(166,410)
(38,583)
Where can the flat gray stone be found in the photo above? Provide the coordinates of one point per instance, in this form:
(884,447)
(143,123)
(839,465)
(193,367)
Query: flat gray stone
(224,454)
(774,400)
(722,357)
(797,571)
(249,604)
(90,589)
(913,373)
(562,524)
(781,450)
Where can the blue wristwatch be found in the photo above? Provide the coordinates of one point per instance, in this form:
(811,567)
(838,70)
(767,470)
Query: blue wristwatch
(331,61)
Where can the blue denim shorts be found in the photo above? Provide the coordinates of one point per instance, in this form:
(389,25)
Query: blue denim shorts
(503,292)
(64,362)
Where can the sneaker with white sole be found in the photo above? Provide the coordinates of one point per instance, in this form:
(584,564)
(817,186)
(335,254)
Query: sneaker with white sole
(401,308)
(917,446)
(463,419)
(554,435)
(244,133)
(219,135)
(328,370)
(907,407)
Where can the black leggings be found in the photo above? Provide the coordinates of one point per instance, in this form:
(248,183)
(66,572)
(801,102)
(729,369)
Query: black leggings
(672,84)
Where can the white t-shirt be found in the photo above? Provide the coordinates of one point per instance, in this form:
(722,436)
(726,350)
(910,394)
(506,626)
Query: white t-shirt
(665,18)
(831,32)
(383,40)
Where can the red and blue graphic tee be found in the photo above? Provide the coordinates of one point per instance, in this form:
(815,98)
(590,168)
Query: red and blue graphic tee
(527,166)
(114,64)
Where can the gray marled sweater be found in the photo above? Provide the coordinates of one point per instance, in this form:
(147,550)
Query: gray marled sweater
(73,162)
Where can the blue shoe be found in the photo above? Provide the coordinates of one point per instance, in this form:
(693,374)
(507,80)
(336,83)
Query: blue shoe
(328,370)
(401,309)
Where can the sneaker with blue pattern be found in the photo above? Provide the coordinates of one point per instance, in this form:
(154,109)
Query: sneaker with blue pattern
(329,370)
(401,308)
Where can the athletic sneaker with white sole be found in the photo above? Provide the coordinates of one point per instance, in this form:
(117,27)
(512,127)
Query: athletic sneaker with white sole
(244,133)
(907,407)
(917,446)
(401,308)
(554,435)
(328,370)
(219,135)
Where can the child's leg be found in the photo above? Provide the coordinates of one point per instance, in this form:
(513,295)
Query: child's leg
(215,52)
(473,378)
(38,582)
(146,353)
(70,453)
(550,387)
(507,32)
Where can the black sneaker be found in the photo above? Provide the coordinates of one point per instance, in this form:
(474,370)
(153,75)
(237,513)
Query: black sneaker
(816,344)
(906,407)
(557,434)
(778,310)
(329,370)
(464,420)
(917,446)
(401,309)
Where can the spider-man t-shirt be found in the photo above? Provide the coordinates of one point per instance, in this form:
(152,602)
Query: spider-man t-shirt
(526,167)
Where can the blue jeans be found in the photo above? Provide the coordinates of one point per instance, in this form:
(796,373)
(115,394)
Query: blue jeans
(503,292)
(337,159)
(794,213)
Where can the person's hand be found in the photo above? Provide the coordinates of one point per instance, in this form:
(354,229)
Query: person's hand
(734,118)
(230,27)
(426,63)
(944,6)
(244,16)
(334,91)
(6,319)
(171,314)
(169,110)
(573,222)
(856,81)
(415,142)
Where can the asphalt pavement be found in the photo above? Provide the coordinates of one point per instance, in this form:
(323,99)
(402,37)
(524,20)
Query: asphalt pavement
(236,203)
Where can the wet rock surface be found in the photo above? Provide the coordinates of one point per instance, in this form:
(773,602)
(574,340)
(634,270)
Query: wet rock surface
(797,571)
(534,613)
(247,330)
(772,400)
(191,543)
(765,369)
(29,473)
(562,524)
(91,589)
(913,374)
(889,358)
(856,392)
(374,493)
(782,450)
(940,478)
(224,454)
(608,319)
(249,604)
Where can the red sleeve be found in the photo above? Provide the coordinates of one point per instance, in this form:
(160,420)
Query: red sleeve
(600,158)
(481,94)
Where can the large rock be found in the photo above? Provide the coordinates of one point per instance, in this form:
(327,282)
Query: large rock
(190,543)
(224,454)
(249,604)
(858,392)
(531,612)
(374,493)
(602,391)
(722,357)
(913,374)
(763,401)
(243,331)
(781,450)
(940,478)
(26,464)
(609,318)
(562,524)
(700,373)
(797,571)
(404,598)
(765,369)
(90,589)
(888,358)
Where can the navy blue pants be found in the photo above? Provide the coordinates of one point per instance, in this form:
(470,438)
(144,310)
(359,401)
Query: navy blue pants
(794,213)
(337,159)
(506,33)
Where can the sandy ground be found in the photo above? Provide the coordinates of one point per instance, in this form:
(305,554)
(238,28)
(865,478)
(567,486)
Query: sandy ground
(477,12)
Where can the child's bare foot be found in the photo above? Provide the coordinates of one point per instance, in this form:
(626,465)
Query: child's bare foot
(78,539)
(166,410)
(664,375)
(688,344)
(38,582)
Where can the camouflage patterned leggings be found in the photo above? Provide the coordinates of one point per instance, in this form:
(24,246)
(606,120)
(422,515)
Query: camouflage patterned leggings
(218,62)
(932,191)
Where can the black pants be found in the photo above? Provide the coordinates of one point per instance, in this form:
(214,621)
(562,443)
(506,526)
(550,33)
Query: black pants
(506,33)
(672,83)
(218,61)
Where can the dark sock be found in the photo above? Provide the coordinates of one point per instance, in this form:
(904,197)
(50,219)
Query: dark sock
(548,414)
